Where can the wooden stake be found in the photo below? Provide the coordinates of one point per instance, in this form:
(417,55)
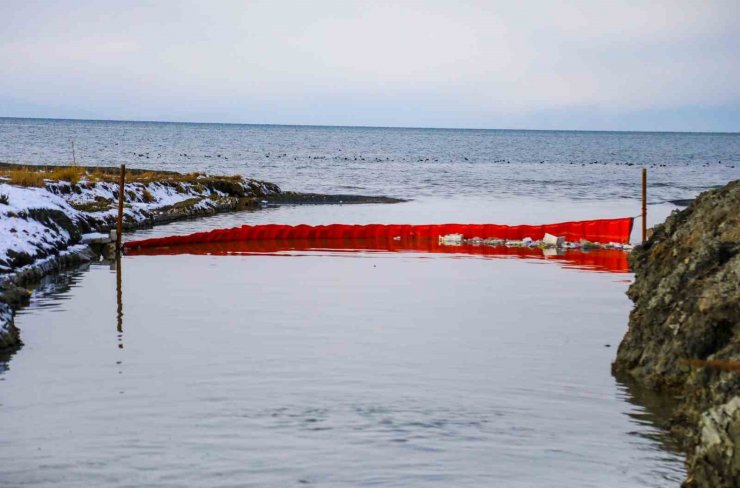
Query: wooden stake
(119,229)
(644,205)
(74,159)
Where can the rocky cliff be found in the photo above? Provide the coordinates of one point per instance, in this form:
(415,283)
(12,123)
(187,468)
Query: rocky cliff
(684,330)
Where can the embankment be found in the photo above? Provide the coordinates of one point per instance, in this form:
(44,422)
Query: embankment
(684,330)
(45,212)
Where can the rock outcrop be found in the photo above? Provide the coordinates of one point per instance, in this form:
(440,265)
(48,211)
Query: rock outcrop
(684,331)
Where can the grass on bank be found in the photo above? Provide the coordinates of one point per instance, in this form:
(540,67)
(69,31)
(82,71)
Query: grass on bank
(73,174)
(22,177)
(35,176)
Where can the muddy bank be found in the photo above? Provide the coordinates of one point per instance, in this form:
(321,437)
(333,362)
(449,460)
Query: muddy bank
(684,331)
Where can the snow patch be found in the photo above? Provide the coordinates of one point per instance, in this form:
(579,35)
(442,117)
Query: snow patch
(91,204)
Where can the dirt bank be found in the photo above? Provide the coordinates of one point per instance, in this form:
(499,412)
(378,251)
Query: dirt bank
(684,330)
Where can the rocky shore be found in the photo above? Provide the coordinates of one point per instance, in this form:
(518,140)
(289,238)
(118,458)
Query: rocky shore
(684,331)
(49,213)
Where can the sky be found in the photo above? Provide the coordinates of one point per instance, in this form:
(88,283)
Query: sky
(628,65)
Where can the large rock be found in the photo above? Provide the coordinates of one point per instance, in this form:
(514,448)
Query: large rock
(716,459)
(684,331)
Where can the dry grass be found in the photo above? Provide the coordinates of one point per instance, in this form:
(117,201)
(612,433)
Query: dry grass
(111,175)
(175,178)
(35,175)
(73,174)
(25,177)
(98,174)
(147,196)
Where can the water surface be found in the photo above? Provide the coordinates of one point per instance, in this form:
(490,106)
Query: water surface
(343,369)
(375,369)
(407,163)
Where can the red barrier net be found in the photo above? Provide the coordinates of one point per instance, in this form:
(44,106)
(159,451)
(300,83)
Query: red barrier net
(606,260)
(604,231)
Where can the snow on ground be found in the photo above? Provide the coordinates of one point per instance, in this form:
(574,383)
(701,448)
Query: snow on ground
(25,198)
(26,235)
(145,197)
(21,233)
(92,236)
(32,227)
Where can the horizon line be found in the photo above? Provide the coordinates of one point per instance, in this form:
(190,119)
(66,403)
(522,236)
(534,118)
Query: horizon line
(73,119)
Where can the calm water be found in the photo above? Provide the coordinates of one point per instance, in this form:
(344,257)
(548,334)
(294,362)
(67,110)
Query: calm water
(338,369)
(391,370)
(410,163)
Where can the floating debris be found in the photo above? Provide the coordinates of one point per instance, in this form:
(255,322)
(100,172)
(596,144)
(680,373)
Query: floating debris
(552,240)
(451,240)
(548,242)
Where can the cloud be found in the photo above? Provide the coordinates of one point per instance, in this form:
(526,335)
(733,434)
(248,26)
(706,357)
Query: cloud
(472,63)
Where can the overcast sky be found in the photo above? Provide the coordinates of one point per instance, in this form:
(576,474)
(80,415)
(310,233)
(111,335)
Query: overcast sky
(627,65)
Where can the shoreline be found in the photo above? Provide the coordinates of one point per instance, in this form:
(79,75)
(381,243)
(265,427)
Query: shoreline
(680,327)
(380,127)
(683,338)
(45,219)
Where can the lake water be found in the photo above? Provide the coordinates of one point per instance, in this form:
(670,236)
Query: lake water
(406,163)
(328,369)
(332,368)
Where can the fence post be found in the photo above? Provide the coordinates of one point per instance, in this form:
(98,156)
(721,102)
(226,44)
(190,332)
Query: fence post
(644,205)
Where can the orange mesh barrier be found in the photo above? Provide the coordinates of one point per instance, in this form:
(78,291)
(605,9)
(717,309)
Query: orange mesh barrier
(605,230)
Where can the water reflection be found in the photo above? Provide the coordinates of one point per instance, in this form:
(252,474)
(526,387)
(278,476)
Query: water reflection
(119,301)
(48,293)
(5,356)
(652,413)
(268,371)
(51,293)
(52,289)
(605,260)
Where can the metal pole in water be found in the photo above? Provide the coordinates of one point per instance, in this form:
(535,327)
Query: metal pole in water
(644,205)
(119,228)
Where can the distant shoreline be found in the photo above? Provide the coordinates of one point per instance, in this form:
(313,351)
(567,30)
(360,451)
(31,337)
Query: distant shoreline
(366,127)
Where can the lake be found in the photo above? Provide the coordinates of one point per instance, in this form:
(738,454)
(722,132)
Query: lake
(332,368)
